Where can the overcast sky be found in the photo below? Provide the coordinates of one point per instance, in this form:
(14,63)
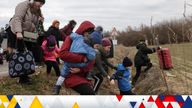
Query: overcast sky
(108,13)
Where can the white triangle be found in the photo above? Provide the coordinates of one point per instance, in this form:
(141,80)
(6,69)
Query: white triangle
(6,104)
(175,104)
(165,104)
(154,105)
(57,103)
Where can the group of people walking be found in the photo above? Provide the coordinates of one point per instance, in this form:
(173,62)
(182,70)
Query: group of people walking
(85,52)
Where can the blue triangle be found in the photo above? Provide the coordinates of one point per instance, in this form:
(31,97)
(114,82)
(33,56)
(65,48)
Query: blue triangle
(17,106)
(187,103)
(179,98)
(133,104)
(161,97)
(10,97)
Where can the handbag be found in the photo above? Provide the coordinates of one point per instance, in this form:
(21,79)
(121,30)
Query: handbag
(30,36)
(34,36)
(21,63)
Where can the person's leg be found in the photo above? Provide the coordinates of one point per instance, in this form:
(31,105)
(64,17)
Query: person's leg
(149,65)
(11,43)
(84,89)
(60,80)
(25,79)
(49,66)
(98,80)
(138,72)
(56,68)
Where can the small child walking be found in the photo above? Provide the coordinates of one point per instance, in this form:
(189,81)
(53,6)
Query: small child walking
(51,53)
(122,75)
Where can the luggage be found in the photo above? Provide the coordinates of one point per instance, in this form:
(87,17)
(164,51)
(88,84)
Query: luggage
(164,58)
(21,62)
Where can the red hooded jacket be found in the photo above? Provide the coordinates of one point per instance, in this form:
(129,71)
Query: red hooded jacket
(73,80)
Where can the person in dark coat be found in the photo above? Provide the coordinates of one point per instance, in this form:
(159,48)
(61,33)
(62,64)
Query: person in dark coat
(142,59)
(54,30)
(68,29)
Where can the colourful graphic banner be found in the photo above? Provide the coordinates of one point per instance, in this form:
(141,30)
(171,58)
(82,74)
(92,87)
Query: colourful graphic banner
(118,101)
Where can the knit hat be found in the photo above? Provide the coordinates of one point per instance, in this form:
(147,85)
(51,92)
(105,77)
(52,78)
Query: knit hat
(51,41)
(42,1)
(96,37)
(127,62)
(55,22)
(106,42)
(99,29)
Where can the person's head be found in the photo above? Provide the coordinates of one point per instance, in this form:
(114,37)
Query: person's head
(85,28)
(96,39)
(106,43)
(55,24)
(72,23)
(99,29)
(36,5)
(51,42)
(127,62)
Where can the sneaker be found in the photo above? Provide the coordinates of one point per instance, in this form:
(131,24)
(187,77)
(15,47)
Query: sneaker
(56,90)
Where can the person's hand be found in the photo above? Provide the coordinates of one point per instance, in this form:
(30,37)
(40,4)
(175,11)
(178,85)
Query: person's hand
(112,82)
(19,36)
(85,60)
(41,19)
(74,70)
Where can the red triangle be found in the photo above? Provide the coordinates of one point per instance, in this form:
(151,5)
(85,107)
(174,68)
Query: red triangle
(142,105)
(158,99)
(119,97)
(160,105)
(169,99)
(150,99)
(180,104)
(169,105)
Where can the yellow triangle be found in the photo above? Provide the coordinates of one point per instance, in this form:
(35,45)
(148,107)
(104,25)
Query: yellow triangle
(2,106)
(75,105)
(36,103)
(4,98)
(12,103)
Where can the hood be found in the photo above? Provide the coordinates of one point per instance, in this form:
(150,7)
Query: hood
(121,67)
(84,26)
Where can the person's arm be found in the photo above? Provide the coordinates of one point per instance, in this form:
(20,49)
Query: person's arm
(109,64)
(99,66)
(86,69)
(20,12)
(67,56)
(147,50)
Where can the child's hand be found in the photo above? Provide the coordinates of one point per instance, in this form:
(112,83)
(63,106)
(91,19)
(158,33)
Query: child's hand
(112,82)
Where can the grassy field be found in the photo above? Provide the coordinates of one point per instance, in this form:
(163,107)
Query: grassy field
(179,79)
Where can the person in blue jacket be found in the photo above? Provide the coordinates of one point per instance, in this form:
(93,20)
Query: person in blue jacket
(122,75)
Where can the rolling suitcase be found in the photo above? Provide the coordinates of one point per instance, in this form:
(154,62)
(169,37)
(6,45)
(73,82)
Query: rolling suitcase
(164,58)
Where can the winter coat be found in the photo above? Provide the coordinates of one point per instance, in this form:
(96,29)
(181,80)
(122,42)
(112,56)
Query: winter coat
(141,57)
(55,32)
(122,75)
(66,31)
(79,46)
(23,19)
(73,80)
(50,55)
(101,62)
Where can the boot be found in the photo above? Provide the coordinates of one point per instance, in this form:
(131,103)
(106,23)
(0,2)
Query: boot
(56,90)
